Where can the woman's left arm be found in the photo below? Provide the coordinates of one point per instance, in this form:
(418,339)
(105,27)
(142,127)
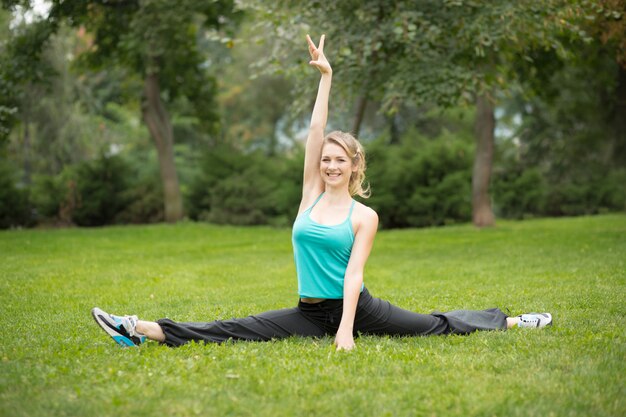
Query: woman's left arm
(353,280)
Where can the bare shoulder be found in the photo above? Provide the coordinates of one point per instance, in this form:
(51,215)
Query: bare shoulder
(364,217)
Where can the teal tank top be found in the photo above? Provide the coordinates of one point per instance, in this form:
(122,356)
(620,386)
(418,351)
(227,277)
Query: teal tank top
(321,254)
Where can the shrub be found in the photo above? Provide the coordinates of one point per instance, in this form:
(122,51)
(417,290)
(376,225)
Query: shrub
(54,198)
(518,193)
(144,201)
(588,188)
(14,203)
(103,191)
(421,182)
(101,187)
(245,189)
(593,193)
(111,190)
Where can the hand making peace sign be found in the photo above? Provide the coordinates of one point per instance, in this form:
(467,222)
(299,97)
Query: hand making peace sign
(318,59)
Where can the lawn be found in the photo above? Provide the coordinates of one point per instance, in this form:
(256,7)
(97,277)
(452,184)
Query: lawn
(55,361)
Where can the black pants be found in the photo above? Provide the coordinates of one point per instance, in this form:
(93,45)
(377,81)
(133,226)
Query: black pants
(373,316)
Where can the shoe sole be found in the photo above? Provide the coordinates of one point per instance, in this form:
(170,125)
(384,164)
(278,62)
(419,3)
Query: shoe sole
(99,316)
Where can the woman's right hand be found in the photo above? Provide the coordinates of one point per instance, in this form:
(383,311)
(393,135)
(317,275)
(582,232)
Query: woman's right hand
(318,59)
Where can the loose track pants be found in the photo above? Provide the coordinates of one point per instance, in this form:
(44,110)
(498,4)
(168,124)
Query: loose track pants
(373,316)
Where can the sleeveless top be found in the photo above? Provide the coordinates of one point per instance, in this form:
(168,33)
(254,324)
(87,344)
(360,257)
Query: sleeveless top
(321,254)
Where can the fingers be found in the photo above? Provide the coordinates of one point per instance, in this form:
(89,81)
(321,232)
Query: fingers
(344,348)
(312,46)
(310,42)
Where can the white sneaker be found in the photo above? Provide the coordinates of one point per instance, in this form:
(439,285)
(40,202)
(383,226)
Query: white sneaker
(535,320)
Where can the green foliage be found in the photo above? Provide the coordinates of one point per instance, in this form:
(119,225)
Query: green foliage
(14,204)
(152,37)
(144,201)
(53,196)
(571,140)
(431,52)
(566,154)
(106,190)
(21,66)
(254,107)
(421,181)
(246,188)
(519,193)
(591,193)
(100,191)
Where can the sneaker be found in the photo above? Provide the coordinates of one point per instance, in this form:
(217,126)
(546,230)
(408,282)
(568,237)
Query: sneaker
(120,328)
(535,320)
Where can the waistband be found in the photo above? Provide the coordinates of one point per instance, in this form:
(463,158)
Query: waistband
(332,304)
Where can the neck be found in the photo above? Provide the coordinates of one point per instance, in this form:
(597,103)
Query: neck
(337,195)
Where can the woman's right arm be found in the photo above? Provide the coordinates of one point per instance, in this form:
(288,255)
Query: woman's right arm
(313,185)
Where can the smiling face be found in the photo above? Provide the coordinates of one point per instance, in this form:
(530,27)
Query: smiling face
(335,165)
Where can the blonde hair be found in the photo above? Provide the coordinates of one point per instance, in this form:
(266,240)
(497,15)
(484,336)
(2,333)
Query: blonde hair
(357,155)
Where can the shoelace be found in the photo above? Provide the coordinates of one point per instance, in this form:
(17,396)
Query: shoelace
(132,325)
(529,320)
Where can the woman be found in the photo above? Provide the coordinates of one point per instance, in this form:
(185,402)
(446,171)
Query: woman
(332,239)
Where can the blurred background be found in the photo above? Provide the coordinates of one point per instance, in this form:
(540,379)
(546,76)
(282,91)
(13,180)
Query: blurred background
(143,111)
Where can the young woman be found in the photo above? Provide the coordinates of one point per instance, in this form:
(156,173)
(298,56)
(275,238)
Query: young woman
(332,238)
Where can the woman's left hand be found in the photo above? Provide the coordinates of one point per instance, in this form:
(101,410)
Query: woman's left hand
(344,340)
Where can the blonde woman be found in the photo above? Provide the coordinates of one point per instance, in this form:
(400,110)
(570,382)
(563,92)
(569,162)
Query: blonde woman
(332,239)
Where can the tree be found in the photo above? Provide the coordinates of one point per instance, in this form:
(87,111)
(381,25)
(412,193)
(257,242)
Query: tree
(255,108)
(159,43)
(21,66)
(444,53)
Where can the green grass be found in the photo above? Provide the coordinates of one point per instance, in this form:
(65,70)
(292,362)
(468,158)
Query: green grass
(55,361)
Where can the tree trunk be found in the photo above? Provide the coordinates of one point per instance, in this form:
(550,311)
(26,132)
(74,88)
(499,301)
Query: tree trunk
(358,117)
(484,130)
(158,122)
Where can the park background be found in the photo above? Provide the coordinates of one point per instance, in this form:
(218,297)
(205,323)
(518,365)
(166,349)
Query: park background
(177,127)
(146,111)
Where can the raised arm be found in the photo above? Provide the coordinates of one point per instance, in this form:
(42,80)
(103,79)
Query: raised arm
(313,185)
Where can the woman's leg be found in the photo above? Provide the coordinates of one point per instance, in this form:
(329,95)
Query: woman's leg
(512,322)
(276,324)
(376,316)
(151,330)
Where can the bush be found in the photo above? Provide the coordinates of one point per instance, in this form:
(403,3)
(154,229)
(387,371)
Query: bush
(54,198)
(421,182)
(144,201)
(14,203)
(245,189)
(101,187)
(92,193)
(589,188)
(103,191)
(518,194)
(594,193)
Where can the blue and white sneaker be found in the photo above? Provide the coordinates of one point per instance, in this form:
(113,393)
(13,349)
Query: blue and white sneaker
(535,320)
(121,328)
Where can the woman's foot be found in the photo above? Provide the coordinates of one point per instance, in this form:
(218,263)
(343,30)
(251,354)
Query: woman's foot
(121,328)
(535,320)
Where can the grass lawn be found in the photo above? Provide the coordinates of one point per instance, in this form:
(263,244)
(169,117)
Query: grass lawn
(55,361)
